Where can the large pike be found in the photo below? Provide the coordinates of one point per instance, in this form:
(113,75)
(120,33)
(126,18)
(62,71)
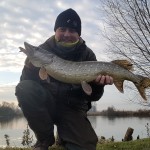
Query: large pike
(83,72)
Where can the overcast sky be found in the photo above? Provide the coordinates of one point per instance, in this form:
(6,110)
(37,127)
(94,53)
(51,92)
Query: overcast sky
(33,21)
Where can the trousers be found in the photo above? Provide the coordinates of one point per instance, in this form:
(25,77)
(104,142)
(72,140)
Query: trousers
(42,110)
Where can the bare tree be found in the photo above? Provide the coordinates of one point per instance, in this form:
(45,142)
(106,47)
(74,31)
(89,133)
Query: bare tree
(128,30)
(129,23)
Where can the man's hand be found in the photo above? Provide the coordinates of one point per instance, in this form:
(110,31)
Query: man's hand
(104,80)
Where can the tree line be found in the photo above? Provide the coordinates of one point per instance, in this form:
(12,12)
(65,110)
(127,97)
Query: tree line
(112,112)
(9,110)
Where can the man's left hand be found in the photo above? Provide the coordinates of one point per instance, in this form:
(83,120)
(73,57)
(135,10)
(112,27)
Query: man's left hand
(104,80)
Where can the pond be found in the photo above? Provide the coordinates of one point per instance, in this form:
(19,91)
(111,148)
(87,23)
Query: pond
(103,126)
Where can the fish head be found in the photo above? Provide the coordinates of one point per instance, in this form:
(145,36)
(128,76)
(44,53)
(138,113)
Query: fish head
(37,55)
(28,50)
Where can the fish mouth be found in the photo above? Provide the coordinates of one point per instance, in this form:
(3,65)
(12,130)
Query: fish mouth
(28,46)
(29,49)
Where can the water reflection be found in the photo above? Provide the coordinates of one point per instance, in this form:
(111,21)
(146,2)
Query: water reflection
(93,120)
(9,122)
(117,127)
(103,126)
(13,127)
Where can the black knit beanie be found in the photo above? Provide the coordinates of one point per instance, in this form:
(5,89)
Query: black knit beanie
(69,18)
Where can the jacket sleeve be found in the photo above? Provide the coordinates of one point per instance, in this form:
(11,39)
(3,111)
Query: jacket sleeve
(30,72)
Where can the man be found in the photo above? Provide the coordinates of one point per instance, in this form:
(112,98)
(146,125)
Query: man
(65,105)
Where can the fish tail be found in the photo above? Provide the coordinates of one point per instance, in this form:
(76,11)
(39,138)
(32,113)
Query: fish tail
(142,85)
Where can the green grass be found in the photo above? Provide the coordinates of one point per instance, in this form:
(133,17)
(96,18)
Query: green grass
(142,144)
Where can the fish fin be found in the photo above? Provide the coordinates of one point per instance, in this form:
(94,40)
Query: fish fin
(86,88)
(124,64)
(43,74)
(119,85)
(142,85)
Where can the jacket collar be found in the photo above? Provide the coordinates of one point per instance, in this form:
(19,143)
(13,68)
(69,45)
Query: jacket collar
(66,53)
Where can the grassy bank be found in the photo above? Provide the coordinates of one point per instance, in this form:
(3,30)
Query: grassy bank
(142,144)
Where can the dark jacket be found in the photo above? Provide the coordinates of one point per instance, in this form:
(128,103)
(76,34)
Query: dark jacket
(70,94)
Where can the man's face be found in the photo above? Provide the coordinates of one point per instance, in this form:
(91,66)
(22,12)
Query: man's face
(66,35)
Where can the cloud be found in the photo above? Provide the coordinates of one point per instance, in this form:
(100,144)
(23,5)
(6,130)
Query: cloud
(19,23)
(33,21)
(9,95)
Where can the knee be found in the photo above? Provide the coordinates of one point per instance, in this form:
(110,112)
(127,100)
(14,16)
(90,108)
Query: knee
(25,87)
(29,90)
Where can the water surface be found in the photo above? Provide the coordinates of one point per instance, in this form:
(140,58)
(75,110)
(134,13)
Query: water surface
(103,126)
